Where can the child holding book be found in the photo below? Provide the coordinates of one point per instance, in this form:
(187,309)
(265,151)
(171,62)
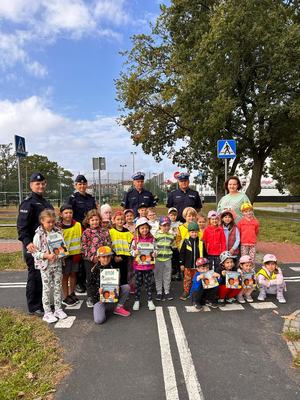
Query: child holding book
(72,232)
(226,265)
(129,218)
(191,250)
(93,237)
(249,230)
(163,262)
(232,234)
(142,249)
(104,258)
(247,274)
(203,292)
(270,279)
(214,239)
(49,264)
(121,240)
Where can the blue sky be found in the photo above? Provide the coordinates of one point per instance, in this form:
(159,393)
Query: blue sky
(58,60)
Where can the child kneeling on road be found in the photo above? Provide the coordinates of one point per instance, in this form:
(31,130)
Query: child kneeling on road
(200,295)
(270,279)
(104,255)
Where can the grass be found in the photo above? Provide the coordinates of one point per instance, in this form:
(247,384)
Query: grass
(275,230)
(292,336)
(297,360)
(12,261)
(8,233)
(31,363)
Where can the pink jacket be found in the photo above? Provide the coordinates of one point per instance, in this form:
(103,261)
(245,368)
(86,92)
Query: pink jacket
(249,230)
(136,266)
(214,240)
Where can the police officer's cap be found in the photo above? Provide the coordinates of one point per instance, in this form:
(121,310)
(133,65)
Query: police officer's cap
(142,205)
(65,207)
(37,177)
(80,179)
(183,176)
(138,176)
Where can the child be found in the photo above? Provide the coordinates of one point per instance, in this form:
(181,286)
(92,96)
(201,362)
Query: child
(121,239)
(129,217)
(191,249)
(232,234)
(104,257)
(172,214)
(214,239)
(202,222)
(270,279)
(72,232)
(201,296)
(226,265)
(249,229)
(106,215)
(246,267)
(190,215)
(49,265)
(143,270)
(142,211)
(153,221)
(93,237)
(163,261)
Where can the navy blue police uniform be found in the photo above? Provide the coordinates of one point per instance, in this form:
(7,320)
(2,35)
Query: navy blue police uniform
(133,198)
(27,223)
(181,199)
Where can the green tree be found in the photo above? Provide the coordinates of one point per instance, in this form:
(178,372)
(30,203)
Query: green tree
(211,70)
(8,168)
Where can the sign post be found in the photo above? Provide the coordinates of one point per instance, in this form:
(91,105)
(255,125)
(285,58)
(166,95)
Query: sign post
(99,164)
(226,148)
(20,152)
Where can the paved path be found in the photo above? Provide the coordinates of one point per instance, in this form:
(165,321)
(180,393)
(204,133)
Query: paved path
(10,245)
(285,252)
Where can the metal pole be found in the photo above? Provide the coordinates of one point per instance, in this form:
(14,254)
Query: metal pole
(19,180)
(60,190)
(99,182)
(133,166)
(216,192)
(226,168)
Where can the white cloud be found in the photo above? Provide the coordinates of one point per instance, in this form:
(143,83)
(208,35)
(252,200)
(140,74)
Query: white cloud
(73,143)
(112,10)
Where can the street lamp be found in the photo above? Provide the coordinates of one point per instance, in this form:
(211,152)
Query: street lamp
(123,166)
(133,154)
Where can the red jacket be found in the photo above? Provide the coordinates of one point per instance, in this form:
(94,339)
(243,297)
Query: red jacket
(249,230)
(214,240)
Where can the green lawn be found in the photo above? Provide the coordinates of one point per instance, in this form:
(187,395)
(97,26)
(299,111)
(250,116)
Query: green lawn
(31,363)
(12,261)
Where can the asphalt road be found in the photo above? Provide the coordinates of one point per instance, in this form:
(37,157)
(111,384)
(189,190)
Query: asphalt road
(175,354)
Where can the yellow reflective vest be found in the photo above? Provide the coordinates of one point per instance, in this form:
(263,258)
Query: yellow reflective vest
(121,241)
(264,273)
(72,236)
(183,234)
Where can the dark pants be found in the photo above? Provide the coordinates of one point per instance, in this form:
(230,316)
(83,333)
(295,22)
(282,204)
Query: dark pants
(202,295)
(214,262)
(34,287)
(175,262)
(123,267)
(88,267)
(81,275)
(146,277)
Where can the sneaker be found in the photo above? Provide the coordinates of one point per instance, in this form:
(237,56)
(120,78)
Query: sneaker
(249,299)
(281,299)
(120,310)
(136,306)
(261,297)
(49,317)
(80,289)
(74,297)
(89,303)
(68,301)
(151,306)
(60,314)
(231,300)
(169,297)
(184,296)
(241,299)
(38,313)
(159,297)
(221,302)
(212,305)
(198,307)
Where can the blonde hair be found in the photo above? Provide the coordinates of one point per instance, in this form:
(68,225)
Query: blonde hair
(47,213)
(189,210)
(89,215)
(200,215)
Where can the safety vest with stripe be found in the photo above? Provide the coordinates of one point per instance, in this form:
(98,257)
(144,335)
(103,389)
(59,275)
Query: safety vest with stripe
(264,273)
(183,234)
(72,238)
(121,241)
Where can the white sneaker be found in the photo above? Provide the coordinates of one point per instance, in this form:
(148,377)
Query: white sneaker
(281,300)
(261,297)
(89,303)
(151,305)
(249,299)
(136,306)
(240,299)
(60,314)
(49,317)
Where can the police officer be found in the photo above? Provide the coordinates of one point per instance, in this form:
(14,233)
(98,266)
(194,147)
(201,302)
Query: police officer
(138,195)
(81,203)
(28,221)
(184,196)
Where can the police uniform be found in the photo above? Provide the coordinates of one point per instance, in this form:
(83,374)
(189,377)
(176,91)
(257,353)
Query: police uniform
(27,222)
(180,199)
(133,198)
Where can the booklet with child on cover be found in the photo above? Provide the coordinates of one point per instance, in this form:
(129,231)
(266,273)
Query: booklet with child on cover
(57,244)
(233,280)
(109,285)
(209,281)
(248,280)
(145,256)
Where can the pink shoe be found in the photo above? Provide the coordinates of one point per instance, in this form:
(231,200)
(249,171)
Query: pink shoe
(121,311)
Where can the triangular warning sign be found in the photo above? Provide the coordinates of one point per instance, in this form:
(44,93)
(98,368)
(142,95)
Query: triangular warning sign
(227,150)
(20,147)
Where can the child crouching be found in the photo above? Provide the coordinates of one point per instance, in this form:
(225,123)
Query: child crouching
(246,267)
(270,279)
(226,265)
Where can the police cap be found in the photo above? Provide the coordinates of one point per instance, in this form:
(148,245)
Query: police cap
(138,176)
(65,207)
(183,176)
(80,179)
(37,177)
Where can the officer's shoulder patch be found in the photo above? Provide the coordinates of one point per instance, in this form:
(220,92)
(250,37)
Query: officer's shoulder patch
(23,211)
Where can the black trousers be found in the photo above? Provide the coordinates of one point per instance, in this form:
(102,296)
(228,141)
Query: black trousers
(81,275)
(202,295)
(123,266)
(34,287)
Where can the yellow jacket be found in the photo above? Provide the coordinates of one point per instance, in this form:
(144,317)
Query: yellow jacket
(121,241)
(72,238)
(183,234)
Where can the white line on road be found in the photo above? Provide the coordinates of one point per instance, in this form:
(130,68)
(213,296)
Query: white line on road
(295,280)
(193,309)
(12,283)
(192,384)
(65,323)
(232,307)
(296,269)
(291,277)
(166,357)
(263,305)
(12,286)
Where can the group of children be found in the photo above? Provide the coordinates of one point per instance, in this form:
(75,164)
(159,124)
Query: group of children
(148,250)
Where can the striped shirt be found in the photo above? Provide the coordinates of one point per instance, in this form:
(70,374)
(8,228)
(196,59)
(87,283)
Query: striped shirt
(163,246)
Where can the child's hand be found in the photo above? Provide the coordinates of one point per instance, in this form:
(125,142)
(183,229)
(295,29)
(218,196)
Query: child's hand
(49,256)
(199,277)
(154,254)
(182,267)
(136,253)
(231,251)
(216,275)
(223,273)
(31,248)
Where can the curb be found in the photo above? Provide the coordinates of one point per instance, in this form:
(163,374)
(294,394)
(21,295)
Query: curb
(293,324)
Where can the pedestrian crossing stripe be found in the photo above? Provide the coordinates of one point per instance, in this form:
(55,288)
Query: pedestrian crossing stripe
(235,307)
(65,323)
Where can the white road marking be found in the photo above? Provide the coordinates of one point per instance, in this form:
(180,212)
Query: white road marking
(166,357)
(232,307)
(291,277)
(193,309)
(290,281)
(11,285)
(76,307)
(192,384)
(296,269)
(65,323)
(263,305)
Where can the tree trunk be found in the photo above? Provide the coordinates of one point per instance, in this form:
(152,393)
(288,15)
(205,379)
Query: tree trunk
(254,187)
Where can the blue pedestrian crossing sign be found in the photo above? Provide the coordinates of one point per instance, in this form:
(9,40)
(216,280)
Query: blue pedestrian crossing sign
(226,148)
(20,146)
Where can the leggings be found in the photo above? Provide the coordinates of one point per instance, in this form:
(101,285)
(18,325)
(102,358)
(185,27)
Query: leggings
(146,277)
(51,275)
